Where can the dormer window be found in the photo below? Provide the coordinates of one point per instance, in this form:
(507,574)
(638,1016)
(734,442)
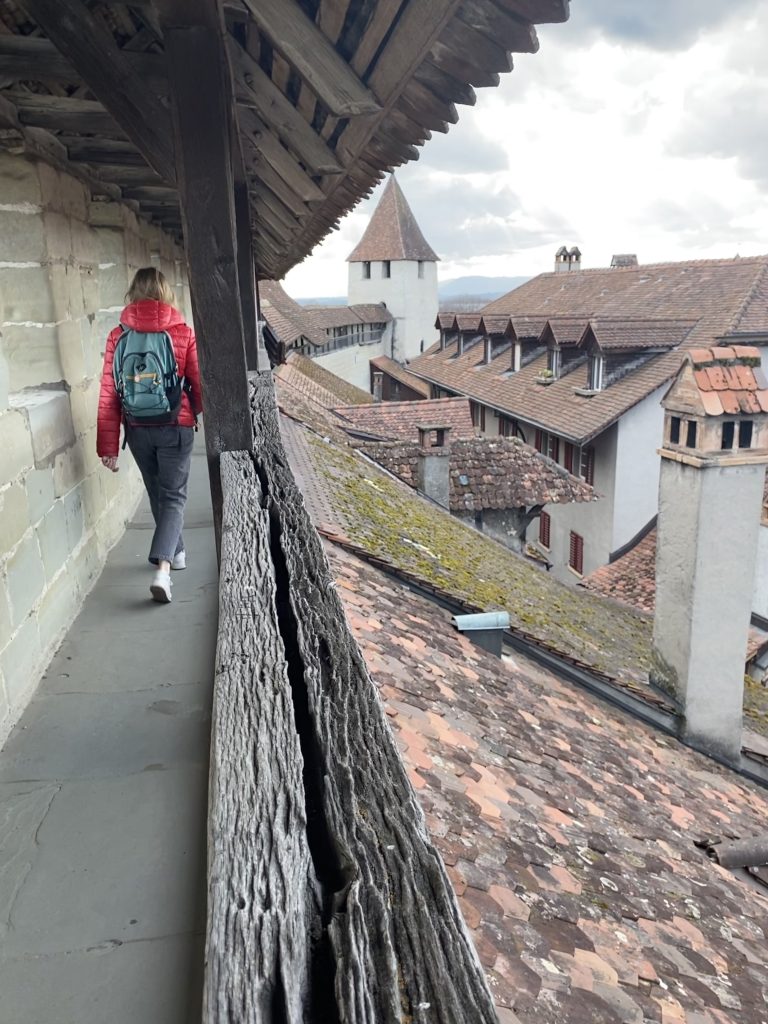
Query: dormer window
(745,434)
(728,434)
(553,361)
(596,372)
(367,270)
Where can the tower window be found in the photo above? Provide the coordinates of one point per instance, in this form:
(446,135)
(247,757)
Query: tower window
(745,434)
(727,442)
(386,268)
(690,436)
(674,430)
(421,268)
(366,270)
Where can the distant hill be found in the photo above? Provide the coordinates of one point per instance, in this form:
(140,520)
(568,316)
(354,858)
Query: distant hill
(487,288)
(334,300)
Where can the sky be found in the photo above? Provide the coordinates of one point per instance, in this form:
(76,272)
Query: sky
(640,126)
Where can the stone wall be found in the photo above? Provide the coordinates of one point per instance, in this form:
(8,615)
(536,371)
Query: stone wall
(65,264)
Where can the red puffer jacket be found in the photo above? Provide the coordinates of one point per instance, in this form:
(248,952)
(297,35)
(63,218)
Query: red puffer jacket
(147,315)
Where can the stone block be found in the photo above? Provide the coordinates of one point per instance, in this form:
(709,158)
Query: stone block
(74,198)
(85,567)
(15,446)
(32,355)
(5,614)
(90,458)
(19,182)
(52,537)
(26,296)
(22,238)
(58,235)
(106,214)
(67,292)
(74,517)
(40,487)
(91,289)
(49,420)
(4,381)
(14,516)
(26,579)
(93,498)
(71,352)
(4,708)
(57,610)
(20,663)
(50,186)
(68,469)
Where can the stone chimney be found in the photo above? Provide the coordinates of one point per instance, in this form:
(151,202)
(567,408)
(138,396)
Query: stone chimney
(713,460)
(566,261)
(487,349)
(378,385)
(434,464)
(624,259)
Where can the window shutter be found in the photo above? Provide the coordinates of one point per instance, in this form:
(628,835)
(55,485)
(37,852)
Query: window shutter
(576,557)
(539,442)
(588,464)
(545,524)
(554,448)
(568,457)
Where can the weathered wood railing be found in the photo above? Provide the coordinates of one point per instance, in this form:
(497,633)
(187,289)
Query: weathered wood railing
(327,901)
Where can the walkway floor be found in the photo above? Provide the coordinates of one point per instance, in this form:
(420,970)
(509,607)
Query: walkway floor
(103,788)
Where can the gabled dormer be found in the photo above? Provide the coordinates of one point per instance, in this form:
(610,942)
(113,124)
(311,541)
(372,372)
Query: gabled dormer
(498,336)
(617,347)
(561,337)
(527,344)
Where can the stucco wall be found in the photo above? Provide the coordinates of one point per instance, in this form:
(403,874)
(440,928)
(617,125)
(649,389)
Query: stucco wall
(353,363)
(412,301)
(636,496)
(760,599)
(65,263)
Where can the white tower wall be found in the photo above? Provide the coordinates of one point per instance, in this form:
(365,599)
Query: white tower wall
(410,298)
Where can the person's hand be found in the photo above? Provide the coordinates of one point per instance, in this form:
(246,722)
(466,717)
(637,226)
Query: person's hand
(110,461)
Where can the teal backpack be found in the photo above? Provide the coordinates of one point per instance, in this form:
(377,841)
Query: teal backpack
(147,377)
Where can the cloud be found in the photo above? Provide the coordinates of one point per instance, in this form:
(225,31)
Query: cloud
(656,24)
(465,150)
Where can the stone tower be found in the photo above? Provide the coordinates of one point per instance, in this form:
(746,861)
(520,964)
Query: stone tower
(713,461)
(394,264)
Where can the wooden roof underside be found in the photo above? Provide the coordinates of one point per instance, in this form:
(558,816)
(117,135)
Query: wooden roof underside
(330,96)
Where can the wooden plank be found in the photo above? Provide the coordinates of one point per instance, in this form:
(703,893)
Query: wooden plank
(307,49)
(106,71)
(37,59)
(505,29)
(246,271)
(360,872)
(203,126)
(65,113)
(264,172)
(128,174)
(102,151)
(442,84)
(260,92)
(266,146)
(537,11)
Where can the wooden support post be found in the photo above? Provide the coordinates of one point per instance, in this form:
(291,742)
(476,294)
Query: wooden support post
(246,273)
(203,120)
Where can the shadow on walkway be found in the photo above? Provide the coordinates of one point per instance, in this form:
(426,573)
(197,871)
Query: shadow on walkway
(103,792)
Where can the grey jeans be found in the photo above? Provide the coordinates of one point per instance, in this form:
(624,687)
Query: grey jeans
(163,455)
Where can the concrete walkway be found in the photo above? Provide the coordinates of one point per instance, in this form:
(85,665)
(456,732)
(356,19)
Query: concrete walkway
(103,788)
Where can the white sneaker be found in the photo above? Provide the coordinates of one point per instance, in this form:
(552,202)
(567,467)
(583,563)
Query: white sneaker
(160,587)
(179,561)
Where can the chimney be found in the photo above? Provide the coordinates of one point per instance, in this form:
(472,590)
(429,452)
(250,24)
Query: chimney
(712,462)
(575,255)
(562,260)
(623,259)
(378,385)
(487,349)
(485,629)
(434,464)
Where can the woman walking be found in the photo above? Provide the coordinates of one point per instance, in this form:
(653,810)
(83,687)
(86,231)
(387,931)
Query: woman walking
(151,384)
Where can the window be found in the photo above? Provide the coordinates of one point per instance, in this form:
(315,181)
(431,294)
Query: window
(478,416)
(674,430)
(745,434)
(576,555)
(538,444)
(690,434)
(366,270)
(728,431)
(568,452)
(587,467)
(553,361)
(545,525)
(507,427)
(596,366)
(421,268)
(553,447)
(386,268)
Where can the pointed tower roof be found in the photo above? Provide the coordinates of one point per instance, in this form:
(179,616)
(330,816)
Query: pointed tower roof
(392,233)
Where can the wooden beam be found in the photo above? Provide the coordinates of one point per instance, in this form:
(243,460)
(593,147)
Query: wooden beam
(307,49)
(104,68)
(102,151)
(203,126)
(263,172)
(37,59)
(267,147)
(259,91)
(64,113)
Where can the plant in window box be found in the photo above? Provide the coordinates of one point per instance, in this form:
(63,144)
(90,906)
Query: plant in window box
(545,377)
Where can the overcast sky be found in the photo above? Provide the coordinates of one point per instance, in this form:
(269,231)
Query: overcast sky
(639,126)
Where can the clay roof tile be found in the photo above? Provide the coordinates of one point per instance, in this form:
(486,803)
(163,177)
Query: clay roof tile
(711,402)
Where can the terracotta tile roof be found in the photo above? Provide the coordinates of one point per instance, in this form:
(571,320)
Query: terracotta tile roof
(489,474)
(392,232)
(491,324)
(468,322)
(566,828)
(320,385)
(327,317)
(399,373)
(729,380)
(393,420)
(290,321)
(710,292)
(445,321)
(565,331)
(634,335)
(751,317)
(630,579)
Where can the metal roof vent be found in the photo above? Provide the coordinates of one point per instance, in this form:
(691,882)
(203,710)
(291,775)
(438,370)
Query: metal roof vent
(484,629)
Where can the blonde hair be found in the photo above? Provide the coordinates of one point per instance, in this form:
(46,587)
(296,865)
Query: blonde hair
(150,283)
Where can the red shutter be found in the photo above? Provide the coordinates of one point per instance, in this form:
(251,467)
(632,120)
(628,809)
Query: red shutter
(568,457)
(539,442)
(576,556)
(544,529)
